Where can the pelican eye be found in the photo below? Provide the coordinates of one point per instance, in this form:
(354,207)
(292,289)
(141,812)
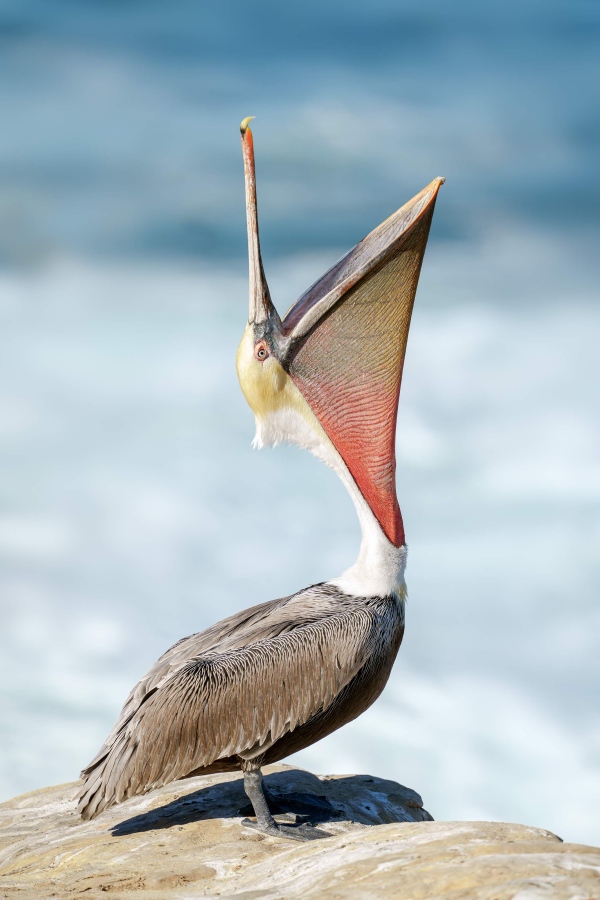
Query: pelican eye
(261,351)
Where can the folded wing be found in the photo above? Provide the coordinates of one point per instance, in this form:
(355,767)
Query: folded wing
(198,708)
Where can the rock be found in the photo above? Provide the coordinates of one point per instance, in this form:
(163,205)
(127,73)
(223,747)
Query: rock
(187,840)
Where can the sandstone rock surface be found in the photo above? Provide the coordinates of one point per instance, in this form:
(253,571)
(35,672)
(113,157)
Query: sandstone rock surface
(187,840)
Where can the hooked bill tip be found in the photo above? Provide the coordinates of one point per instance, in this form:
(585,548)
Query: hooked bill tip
(244,124)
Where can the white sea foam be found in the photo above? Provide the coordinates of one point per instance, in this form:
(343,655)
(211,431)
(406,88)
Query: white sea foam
(135,512)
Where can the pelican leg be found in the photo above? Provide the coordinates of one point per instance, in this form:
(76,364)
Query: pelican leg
(264,820)
(254,790)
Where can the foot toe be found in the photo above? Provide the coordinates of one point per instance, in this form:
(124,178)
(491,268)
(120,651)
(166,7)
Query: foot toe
(303,832)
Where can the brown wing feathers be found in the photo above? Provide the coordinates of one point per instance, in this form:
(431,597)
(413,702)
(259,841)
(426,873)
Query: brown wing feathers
(247,625)
(198,707)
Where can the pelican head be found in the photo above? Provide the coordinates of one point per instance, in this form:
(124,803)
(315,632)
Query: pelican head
(327,376)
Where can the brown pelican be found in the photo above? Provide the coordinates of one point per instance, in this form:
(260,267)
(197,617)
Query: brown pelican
(275,678)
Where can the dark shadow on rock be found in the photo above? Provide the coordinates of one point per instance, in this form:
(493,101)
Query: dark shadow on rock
(365,798)
(214,801)
(294,792)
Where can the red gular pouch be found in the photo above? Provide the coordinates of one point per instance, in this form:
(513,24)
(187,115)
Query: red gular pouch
(347,340)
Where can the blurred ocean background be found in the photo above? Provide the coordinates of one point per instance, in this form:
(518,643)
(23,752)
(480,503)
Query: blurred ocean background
(133,510)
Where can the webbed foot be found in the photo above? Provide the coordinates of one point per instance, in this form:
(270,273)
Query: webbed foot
(298,831)
(303,832)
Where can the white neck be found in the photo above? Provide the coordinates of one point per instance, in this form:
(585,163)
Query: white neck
(379,567)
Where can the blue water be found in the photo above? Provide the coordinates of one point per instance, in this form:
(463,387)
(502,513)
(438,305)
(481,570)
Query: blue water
(122,120)
(133,510)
